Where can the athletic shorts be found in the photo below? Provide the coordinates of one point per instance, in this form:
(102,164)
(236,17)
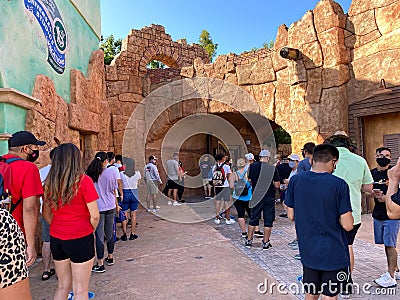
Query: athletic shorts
(351,235)
(386,231)
(131,200)
(172,185)
(328,283)
(45,231)
(267,207)
(206,182)
(152,188)
(223,193)
(77,250)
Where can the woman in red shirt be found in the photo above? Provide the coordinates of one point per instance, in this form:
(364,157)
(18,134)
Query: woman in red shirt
(70,207)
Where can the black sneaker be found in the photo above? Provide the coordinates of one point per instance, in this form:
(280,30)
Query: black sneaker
(124,237)
(266,245)
(284,215)
(248,243)
(98,269)
(109,261)
(244,234)
(133,237)
(258,234)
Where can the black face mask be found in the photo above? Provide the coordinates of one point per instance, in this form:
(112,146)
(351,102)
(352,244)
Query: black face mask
(303,153)
(383,161)
(33,156)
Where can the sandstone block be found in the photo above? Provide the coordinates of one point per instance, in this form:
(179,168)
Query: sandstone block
(333,47)
(104,134)
(297,72)
(61,123)
(365,39)
(314,85)
(332,114)
(44,90)
(130,97)
(360,6)
(119,122)
(297,97)
(335,76)
(362,23)
(136,84)
(83,120)
(328,14)
(187,72)
(388,17)
(256,73)
(199,67)
(282,104)
(264,94)
(281,41)
(302,31)
(312,55)
(42,128)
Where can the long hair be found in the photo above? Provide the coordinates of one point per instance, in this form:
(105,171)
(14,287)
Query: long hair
(95,168)
(65,174)
(129,166)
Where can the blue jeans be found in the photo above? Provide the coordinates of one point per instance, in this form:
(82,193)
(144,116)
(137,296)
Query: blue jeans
(105,227)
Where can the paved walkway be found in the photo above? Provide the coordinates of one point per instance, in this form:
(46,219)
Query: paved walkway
(172,260)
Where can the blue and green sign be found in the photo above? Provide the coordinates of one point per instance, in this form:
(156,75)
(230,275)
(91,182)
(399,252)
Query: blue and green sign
(53,27)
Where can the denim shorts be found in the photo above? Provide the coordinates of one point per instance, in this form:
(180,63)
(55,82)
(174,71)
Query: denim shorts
(386,231)
(45,231)
(131,200)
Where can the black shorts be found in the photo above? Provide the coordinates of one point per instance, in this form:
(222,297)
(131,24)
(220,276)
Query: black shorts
(77,250)
(172,185)
(267,207)
(351,235)
(328,283)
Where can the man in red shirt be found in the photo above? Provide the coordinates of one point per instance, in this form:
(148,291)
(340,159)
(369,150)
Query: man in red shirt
(26,187)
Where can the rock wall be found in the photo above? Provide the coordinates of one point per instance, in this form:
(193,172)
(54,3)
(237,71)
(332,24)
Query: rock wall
(85,121)
(128,80)
(373,36)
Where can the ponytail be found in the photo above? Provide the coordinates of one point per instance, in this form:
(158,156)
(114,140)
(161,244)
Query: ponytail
(95,168)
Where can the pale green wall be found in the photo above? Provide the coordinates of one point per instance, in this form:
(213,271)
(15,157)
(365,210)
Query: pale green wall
(12,119)
(23,50)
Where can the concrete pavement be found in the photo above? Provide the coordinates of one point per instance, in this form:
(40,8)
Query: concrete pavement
(206,261)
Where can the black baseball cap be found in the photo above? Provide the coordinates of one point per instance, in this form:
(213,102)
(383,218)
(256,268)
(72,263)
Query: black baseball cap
(22,138)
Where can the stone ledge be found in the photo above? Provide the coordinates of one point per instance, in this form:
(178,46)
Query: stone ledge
(5,136)
(13,96)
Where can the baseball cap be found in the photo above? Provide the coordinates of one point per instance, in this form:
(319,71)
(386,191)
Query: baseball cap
(249,156)
(294,157)
(152,157)
(22,138)
(264,153)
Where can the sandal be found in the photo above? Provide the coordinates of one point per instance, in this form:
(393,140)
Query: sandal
(47,274)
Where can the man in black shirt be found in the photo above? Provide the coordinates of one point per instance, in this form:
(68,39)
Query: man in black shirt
(264,179)
(385,230)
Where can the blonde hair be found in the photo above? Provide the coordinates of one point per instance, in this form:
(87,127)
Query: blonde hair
(65,175)
(240,163)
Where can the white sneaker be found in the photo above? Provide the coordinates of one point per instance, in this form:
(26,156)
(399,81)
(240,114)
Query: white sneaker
(217,221)
(156,209)
(397,275)
(230,221)
(176,203)
(386,281)
(169,203)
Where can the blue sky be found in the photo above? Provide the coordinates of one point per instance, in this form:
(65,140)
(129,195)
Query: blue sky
(234,25)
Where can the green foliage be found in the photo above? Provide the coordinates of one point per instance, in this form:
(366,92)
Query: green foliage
(281,136)
(111,47)
(155,64)
(206,42)
(269,45)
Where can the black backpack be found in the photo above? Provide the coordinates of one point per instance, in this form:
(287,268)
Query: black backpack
(241,188)
(218,176)
(5,184)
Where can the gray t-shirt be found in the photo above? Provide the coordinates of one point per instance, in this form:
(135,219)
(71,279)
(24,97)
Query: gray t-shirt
(172,169)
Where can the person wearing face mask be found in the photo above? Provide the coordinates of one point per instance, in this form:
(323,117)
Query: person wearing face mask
(355,171)
(26,187)
(385,230)
(319,203)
